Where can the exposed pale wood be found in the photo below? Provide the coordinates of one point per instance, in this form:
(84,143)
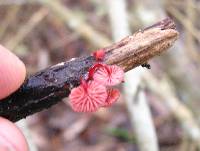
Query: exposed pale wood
(139,48)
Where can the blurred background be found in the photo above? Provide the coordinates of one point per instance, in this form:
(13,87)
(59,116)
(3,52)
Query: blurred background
(165,115)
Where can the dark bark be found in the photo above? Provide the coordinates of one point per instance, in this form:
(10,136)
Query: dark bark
(49,86)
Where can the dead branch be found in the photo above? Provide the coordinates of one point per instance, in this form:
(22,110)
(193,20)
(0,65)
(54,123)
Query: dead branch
(49,86)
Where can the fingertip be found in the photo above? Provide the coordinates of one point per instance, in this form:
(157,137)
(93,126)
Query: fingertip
(12,72)
(11,137)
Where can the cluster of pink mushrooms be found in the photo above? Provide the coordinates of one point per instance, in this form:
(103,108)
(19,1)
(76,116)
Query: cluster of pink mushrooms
(96,90)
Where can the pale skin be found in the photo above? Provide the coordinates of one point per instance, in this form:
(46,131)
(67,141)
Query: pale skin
(12,75)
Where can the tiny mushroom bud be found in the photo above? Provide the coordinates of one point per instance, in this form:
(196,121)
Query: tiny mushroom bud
(109,75)
(88,97)
(113,96)
(99,54)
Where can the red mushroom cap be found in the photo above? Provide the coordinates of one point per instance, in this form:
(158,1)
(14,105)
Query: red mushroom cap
(113,96)
(88,97)
(109,75)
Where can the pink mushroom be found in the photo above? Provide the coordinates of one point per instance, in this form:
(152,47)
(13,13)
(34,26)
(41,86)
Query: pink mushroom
(109,75)
(88,97)
(92,93)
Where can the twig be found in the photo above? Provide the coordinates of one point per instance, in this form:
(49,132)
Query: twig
(118,14)
(136,100)
(176,67)
(181,112)
(75,23)
(145,130)
(27,28)
(185,85)
(190,41)
(10,16)
(49,86)
(185,22)
(16,2)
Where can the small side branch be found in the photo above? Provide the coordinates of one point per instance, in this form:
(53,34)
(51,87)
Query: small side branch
(49,86)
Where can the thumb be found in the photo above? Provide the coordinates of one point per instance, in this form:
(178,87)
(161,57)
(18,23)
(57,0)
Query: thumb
(12,72)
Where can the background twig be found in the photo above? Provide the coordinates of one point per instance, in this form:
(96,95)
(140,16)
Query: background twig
(76,23)
(136,100)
